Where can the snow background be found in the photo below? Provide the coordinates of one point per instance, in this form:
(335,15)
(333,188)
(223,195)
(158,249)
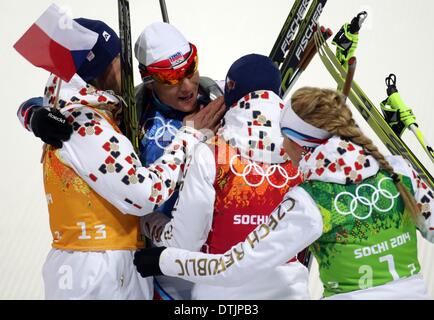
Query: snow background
(396,38)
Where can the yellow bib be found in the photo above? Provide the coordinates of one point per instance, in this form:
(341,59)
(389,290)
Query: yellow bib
(80,219)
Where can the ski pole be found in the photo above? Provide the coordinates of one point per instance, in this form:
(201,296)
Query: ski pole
(349,78)
(129,112)
(399,116)
(164,11)
(311,50)
(370,112)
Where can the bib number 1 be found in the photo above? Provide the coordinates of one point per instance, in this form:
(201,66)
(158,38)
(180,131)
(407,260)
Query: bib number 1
(366,280)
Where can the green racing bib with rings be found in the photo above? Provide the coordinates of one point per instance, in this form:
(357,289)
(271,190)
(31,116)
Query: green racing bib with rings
(369,238)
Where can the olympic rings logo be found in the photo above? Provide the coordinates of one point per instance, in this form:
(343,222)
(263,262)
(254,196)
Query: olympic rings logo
(259,171)
(161,132)
(369,203)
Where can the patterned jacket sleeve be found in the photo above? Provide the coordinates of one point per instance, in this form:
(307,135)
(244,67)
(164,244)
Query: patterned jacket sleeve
(25,109)
(423,194)
(293,226)
(106,160)
(193,214)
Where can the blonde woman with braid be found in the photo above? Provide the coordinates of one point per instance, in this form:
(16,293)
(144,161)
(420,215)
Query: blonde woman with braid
(356,210)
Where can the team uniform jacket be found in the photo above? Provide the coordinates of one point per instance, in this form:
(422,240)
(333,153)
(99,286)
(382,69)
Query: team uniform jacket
(96,187)
(232,184)
(105,159)
(159,124)
(350,214)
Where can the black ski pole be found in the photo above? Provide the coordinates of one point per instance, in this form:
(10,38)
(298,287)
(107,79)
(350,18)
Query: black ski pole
(164,11)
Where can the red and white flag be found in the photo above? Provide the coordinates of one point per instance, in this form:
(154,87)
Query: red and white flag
(56,43)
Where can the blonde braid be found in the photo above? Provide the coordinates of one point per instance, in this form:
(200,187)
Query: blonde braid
(326,109)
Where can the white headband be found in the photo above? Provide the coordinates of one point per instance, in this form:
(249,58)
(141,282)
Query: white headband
(301,132)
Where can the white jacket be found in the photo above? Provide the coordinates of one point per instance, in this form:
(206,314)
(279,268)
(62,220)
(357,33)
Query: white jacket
(193,214)
(106,159)
(297,223)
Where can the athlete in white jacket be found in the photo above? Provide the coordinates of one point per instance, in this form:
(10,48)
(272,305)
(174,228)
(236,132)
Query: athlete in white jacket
(234,182)
(95,186)
(357,211)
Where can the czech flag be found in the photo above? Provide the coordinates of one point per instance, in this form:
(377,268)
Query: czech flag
(57,43)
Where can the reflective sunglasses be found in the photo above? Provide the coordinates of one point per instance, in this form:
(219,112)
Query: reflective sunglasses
(164,72)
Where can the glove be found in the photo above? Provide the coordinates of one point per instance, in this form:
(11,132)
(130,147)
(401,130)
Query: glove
(51,126)
(147,261)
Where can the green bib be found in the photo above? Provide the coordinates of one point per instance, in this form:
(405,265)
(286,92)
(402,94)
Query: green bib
(368,238)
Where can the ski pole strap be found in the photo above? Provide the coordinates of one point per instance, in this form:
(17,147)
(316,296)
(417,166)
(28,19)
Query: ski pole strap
(347,38)
(396,111)
(391,84)
(357,22)
(346,45)
(397,114)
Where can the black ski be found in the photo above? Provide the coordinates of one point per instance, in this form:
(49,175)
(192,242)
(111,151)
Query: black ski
(298,46)
(289,30)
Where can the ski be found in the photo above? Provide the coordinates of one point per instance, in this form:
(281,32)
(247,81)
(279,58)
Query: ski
(289,30)
(285,44)
(129,112)
(369,111)
(299,44)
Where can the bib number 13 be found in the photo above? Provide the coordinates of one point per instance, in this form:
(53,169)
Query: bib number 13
(100,232)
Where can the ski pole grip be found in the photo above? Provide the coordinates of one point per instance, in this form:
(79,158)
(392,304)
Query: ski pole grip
(349,78)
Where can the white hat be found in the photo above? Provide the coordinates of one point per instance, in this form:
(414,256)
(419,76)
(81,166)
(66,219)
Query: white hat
(160,41)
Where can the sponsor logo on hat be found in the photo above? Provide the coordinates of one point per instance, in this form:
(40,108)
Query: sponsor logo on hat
(106,36)
(176,59)
(90,56)
(230,84)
